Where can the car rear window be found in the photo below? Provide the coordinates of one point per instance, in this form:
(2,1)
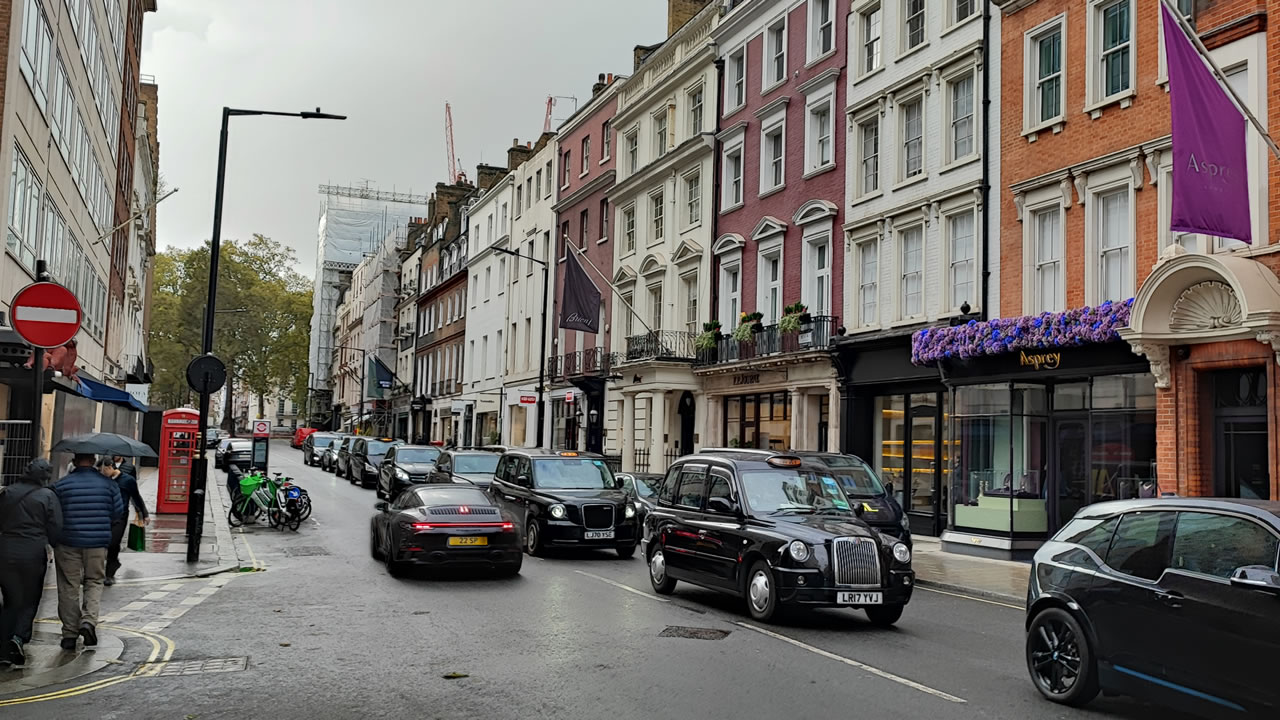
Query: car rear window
(378,447)
(322,441)
(572,474)
(450,495)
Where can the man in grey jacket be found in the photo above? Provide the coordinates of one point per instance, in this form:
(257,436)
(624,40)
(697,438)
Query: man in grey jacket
(30,519)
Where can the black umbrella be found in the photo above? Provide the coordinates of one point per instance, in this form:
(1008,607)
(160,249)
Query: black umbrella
(103,444)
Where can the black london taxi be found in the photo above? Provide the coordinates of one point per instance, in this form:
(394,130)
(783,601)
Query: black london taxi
(565,499)
(775,531)
(861,485)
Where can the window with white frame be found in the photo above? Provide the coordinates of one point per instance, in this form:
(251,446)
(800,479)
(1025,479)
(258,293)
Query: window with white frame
(770,283)
(24,210)
(1115,240)
(1046,248)
(960,128)
(733,176)
(1111,31)
(962,10)
(606,139)
(629,229)
(655,307)
(633,151)
(660,133)
(775,53)
(868,255)
(911,271)
(772,171)
(912,129)
(1045,86)
(817,277)
(737,78)
(568,168)
(658,215)
(730,293)
(822,28)
(37,46)
(628,305)
(693,197)
(538,177)
(586,154)
(550,179)
(691,302)
(961,257)
(519,199)
(869,38)
(868,155)
(913,25)
(820,136)
(695,110)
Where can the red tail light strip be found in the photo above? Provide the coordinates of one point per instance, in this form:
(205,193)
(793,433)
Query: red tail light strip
(505,526)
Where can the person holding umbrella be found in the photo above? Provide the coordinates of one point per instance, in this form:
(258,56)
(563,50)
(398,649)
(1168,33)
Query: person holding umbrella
(30,519)
(90,503)
(126,477)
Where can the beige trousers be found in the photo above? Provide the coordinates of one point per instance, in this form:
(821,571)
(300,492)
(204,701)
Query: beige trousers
(79,567)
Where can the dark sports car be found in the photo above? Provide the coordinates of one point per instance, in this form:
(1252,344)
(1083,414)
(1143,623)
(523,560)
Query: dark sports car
(444,525)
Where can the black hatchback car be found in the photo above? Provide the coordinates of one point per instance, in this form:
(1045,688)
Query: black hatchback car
(1175,600)
(776,531)
(364,456)
(444,525)
(565,499)
(405,465)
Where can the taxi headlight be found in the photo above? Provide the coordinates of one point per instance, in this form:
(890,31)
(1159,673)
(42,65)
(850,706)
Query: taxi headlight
(558,512)
(901,553)
(799,551)
(629,511)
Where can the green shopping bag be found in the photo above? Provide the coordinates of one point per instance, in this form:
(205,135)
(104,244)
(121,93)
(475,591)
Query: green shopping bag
(137,537)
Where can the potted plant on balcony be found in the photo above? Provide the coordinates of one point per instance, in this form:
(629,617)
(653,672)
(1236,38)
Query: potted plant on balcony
(792,318)
(755,318)
(742,333)
(707,339)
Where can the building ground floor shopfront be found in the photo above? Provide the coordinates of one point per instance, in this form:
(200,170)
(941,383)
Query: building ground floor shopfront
(779,405)
(660,413)
(520,415)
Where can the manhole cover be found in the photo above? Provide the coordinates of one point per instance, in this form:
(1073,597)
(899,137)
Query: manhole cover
(174,668)
(694,633)
(305,551)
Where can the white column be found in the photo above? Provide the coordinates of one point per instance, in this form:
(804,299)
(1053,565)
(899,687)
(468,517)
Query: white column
(657,428)
(796,441)
(833,417)
(627,426)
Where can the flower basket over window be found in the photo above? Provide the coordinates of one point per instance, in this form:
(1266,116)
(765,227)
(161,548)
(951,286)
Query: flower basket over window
(710,334)
(793,316)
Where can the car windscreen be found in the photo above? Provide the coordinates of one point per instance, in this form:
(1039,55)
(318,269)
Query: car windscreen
(451,495)
(414,455)
(642,486)
(379,447)
(779,491)
(475,464)
(857,479)
(572,474)
(320,442)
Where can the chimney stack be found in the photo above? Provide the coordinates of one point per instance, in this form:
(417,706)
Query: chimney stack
(599,86)
(680,12)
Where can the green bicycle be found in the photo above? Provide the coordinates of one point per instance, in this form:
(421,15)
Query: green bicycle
(256,497)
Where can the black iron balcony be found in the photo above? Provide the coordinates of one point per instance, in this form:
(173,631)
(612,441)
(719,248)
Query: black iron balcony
(661,345)
(592,362)
(771,340)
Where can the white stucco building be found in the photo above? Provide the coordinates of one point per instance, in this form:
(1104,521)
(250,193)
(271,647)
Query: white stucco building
(489,218)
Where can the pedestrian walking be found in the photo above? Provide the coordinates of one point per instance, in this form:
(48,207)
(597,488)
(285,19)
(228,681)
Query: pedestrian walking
(30,520)
(126,477)
(90,502)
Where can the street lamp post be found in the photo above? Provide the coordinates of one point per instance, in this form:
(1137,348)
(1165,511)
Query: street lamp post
(195,501)
(542,355)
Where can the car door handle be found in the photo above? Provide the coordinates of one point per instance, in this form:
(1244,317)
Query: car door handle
(1169,598)
(702,533)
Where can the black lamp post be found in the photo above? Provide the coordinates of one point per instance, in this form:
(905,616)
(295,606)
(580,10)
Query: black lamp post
(195,500)
(542,355)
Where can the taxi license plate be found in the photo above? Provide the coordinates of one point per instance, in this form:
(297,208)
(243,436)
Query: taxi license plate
(468,541)
(859,598)
(597,535)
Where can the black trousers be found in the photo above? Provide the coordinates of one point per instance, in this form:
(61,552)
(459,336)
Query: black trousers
(113,550)
(22,583)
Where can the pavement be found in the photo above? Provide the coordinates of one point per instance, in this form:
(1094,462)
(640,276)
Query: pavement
(325,632)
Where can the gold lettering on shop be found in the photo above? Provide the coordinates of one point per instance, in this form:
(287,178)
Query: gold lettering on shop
(1041,361)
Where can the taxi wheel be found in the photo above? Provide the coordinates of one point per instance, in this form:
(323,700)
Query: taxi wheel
(533,539)
(663,584)
(884,615)
(762,592)
(626,552)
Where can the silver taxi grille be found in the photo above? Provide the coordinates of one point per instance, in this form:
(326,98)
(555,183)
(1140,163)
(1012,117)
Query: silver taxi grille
(856,561)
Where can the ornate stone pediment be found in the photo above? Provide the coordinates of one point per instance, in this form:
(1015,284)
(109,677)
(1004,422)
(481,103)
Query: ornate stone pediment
(1209,305)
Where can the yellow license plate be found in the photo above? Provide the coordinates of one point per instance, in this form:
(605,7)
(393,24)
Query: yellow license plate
(468,541)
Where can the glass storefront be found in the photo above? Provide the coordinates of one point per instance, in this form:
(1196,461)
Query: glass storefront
(911,451)
(762,420)
(1027,456)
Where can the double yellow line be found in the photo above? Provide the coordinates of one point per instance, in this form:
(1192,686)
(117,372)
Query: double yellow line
(161,651)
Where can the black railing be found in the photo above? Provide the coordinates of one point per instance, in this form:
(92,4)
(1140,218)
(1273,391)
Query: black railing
(613,462)
(670,456)
(595,361)
(640,459)
(662,345)
(771,340)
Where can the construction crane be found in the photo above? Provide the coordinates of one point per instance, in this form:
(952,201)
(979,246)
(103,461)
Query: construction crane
(455,174)
(551,103)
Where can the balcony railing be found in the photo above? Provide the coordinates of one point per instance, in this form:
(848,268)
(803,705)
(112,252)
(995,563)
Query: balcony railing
(771,341)
(661,345)
(594,361)
(443,387)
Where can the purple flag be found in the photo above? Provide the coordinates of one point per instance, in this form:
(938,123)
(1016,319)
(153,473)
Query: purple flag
(580,305)
(1210,174)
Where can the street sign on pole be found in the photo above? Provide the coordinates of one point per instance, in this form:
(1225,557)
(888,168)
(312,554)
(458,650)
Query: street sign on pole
(262,428)
(206,374)
(45,314)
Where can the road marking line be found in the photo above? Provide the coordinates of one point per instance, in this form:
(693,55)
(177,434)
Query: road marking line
(171,587)
(854,663)
(175,613)
(154,626)
(135,605)
(970,597)
(155,596)
(208,590)
(620,586)
(193,600)
(113,617)
(158,642)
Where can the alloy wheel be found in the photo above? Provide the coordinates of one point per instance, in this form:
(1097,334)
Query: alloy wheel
(1055,656)
(658,567)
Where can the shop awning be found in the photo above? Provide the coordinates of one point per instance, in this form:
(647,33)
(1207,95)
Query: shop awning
(99,392)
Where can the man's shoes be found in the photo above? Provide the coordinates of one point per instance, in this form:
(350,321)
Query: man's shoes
(89,634)
(69,644)
(109,580)
(13,653)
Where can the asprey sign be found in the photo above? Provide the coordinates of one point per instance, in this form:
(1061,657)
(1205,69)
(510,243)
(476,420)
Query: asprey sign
(45,314)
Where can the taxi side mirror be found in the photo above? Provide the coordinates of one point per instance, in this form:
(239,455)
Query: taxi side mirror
(523,481)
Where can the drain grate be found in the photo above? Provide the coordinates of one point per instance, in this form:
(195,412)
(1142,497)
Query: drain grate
(694,633)
(305,551)
(176,668)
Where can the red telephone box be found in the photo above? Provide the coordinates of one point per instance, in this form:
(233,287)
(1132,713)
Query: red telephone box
(179,452)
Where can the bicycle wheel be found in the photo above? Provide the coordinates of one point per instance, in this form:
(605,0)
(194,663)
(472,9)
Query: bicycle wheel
(305,511)
(235,516)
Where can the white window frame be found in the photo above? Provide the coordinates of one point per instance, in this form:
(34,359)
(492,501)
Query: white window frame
(815,235)
(1095,81)
(949,253)
(1044,201)
(860,124)
(953,18)
(900,295)
(863,25)
(769,78)
(692,198)
(657,215)
(1099,183)
(689,286)
(769,248)
(606,140)
(901,149)
(629,229)
(696,97)
(820,98)
(657,304)
(904,37)
(730,299)
(628,298)
(735,87)
(586,156)
(865,320)
(813,50)
(774,123)
(1031,121)
(632,141)
(729,201)
(661,132)
(949,116)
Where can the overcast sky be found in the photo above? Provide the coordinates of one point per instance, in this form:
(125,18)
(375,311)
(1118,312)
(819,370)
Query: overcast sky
(388,64)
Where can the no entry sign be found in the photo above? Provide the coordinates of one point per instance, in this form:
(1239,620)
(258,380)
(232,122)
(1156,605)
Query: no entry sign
(45,314)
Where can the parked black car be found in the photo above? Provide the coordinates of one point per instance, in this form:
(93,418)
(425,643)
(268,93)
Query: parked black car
(364,457)
(643,488)
(313,446)
(339,464)
(860,483)
(565,499)
(328,461)
(213,437)
(776,531)
(436,525)
(237,451)
(466,466)
(405,465)
(1175,600)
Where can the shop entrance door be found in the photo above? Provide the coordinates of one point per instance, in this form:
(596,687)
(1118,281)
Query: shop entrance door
(1069,486)
(1240,434)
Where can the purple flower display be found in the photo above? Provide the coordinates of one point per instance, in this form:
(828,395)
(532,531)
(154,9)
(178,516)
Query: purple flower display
(1080,326)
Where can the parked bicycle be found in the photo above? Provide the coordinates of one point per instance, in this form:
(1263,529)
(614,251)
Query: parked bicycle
(277,499)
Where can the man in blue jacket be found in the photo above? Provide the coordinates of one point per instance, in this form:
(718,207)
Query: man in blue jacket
(90,502)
